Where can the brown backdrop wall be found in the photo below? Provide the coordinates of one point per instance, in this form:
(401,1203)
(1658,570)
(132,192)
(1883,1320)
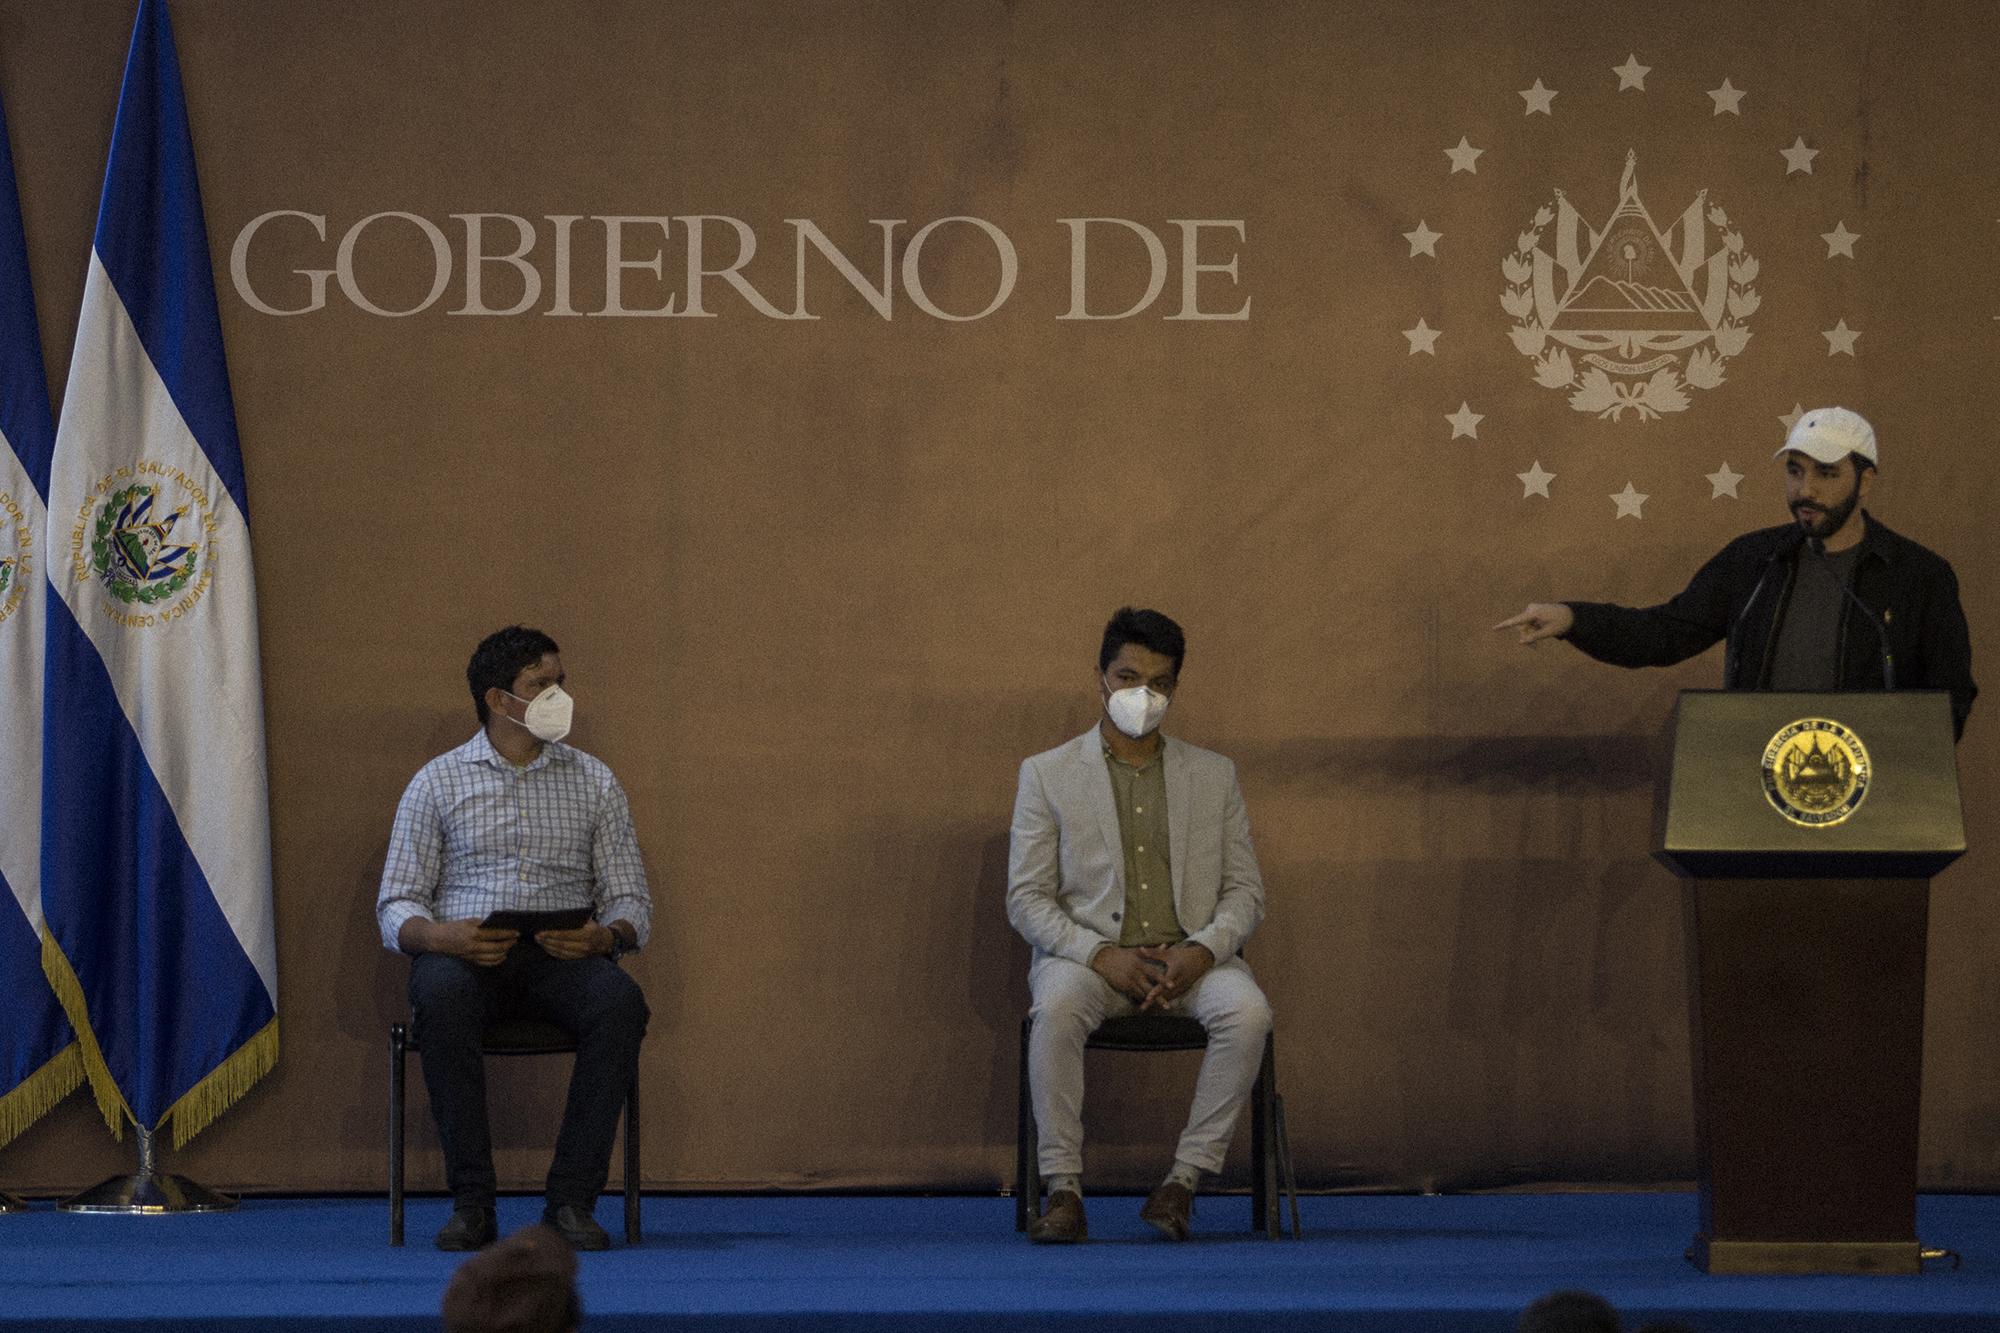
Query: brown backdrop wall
(821,584)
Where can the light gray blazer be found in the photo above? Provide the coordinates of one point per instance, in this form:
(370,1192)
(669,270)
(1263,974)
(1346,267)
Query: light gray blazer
(1066,865)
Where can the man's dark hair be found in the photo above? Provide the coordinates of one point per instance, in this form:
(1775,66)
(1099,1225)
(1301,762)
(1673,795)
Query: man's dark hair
(1148,629)
(501,656)
(1569,1312)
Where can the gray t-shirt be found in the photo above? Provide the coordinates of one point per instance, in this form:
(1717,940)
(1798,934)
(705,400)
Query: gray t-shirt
(1807,656)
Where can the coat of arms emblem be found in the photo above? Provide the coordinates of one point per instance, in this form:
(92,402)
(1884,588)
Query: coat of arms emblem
(1816,772)
(1630,317)
(134,551)
(16,555)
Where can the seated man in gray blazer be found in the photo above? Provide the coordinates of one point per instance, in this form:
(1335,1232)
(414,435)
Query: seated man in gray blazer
(1131,873)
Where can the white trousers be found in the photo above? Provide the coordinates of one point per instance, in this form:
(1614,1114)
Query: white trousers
(1070,1001)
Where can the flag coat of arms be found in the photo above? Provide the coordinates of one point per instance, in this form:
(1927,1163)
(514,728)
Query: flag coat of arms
(39,1060)
(156,863)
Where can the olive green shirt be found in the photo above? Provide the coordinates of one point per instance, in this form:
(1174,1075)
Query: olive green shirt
(1140,793)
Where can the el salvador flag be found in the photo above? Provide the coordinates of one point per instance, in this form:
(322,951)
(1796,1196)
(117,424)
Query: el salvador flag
(156,850)
(39,1060)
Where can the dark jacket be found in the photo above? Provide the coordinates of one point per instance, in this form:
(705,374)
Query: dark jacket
(1911,588)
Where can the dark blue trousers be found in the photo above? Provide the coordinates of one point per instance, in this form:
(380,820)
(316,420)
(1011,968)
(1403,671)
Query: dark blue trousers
(590,998)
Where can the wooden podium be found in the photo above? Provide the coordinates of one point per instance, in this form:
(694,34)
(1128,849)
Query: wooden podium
(1807,827)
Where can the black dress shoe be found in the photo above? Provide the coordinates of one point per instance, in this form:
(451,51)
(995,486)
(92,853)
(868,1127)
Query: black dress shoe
(577,1226)
(471,1227)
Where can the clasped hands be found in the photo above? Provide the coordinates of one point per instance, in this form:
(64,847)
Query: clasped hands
(486,946)
(1153,975)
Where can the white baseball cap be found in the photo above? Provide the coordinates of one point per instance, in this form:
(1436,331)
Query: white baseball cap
(1829,434)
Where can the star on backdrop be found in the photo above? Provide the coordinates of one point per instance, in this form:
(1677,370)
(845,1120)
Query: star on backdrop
(1538,99)
(1727,99)
(1791,418)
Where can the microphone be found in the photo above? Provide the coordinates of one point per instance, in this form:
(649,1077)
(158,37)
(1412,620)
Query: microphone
(1881,630)
(1733,653)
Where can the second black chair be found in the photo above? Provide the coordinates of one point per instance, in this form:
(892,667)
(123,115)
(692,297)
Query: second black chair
(509,1036)
(1270,1147)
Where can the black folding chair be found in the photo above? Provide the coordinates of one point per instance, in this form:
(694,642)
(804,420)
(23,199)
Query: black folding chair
(509,1036)
(1270,1147)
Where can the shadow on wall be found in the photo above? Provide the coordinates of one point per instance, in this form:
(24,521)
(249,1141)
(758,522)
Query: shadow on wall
(366,1015)
(374,995)
(997,981)
(372,989)
(1492,1022)
(1489,765)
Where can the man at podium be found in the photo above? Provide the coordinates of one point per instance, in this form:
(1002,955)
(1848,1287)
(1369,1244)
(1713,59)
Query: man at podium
(1833,600)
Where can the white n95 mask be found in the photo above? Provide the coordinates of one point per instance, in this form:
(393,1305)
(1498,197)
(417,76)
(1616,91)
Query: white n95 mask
(549,713)
(1137,711)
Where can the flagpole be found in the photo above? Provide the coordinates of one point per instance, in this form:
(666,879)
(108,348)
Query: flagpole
(147,1191)
(155,869)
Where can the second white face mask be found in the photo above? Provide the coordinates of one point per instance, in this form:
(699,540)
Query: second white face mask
(1137,711)
(549,713)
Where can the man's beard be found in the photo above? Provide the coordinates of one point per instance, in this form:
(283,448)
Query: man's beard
(1830,520)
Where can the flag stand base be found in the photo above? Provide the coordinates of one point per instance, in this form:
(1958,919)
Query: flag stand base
(148,1194)
(12,1203)
(147,1191)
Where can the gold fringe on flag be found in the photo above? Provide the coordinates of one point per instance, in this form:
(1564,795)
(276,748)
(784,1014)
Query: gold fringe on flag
(33,1097)
(198,1107)
(69,993)
(221,1086)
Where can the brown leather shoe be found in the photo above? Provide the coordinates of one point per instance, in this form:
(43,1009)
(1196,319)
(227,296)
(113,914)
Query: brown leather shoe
(1169,1209)
(1063,1223)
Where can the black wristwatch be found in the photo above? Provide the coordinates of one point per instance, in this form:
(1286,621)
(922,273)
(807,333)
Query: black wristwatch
(619,948)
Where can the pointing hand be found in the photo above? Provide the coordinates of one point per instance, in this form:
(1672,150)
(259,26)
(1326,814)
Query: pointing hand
(1542,620)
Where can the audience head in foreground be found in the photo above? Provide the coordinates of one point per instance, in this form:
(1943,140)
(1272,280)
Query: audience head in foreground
(523,1284)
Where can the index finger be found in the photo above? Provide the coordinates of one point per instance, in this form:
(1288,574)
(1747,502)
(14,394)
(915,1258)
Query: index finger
(1511,621)
(497,934)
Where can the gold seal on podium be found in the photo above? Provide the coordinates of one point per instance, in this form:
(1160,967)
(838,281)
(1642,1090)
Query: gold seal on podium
(1815,772)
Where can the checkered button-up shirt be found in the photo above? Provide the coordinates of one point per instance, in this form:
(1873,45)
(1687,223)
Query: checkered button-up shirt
(474,834)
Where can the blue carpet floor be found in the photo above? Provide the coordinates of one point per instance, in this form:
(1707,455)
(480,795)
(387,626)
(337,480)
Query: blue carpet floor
(897,1265)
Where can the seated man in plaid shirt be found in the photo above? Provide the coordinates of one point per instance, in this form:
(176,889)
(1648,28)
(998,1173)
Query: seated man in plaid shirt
(513,820)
